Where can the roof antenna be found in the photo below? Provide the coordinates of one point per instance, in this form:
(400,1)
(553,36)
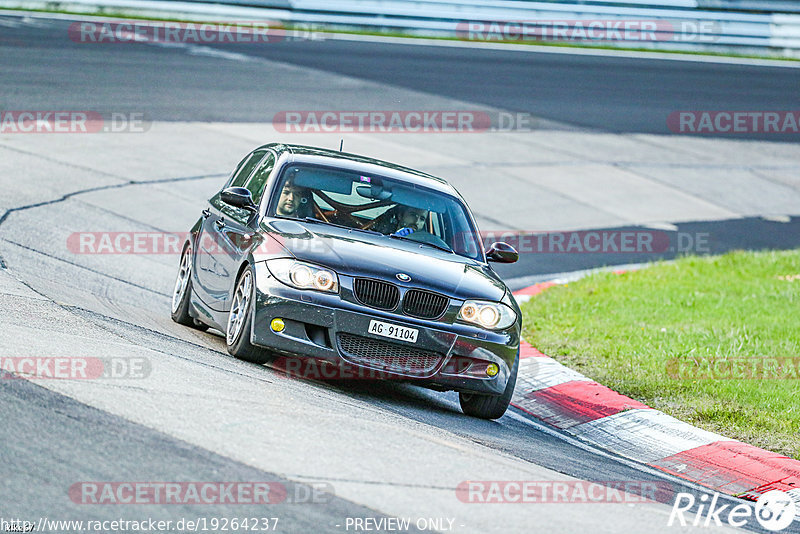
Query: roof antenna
(341,144)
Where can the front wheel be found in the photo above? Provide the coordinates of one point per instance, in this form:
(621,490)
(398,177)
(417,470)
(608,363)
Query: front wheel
(490,406)
(240,322)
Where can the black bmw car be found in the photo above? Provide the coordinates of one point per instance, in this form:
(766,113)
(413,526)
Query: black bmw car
(353,261)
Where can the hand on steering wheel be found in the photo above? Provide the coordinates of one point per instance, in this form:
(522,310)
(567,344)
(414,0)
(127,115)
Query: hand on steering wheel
(404,231)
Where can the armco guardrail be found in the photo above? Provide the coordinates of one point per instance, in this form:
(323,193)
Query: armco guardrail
(676,24)
(697,25)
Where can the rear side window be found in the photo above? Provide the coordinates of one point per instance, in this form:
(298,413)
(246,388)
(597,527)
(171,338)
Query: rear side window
(258,181)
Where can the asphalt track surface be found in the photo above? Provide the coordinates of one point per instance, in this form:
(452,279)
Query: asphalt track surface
(202,415)
(605,93)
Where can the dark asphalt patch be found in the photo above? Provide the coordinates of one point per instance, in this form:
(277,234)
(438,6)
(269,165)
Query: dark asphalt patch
(53,442)
(700,238)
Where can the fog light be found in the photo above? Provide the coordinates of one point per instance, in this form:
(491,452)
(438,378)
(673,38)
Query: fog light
(492,369)
(278,326)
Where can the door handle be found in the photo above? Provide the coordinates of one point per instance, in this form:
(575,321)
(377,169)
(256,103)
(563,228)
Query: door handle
(220,223)
(206,213)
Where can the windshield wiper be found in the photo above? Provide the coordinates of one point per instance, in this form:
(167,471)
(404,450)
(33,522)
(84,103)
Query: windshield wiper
(314,219)
(440,247)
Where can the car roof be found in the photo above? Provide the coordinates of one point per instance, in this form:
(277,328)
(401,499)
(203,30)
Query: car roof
(324,156)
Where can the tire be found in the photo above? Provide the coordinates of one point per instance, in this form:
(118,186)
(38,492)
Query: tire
(240,321)
(490,406)
(182,293)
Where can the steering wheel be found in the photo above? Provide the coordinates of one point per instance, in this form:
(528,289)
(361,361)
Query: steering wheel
(380,219)
(343,213)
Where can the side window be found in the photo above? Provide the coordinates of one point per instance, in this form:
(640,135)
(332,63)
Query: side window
(258,182)
(244,171)
(436,226)
(239,179)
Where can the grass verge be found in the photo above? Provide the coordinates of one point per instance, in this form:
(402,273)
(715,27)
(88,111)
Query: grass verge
(714,341)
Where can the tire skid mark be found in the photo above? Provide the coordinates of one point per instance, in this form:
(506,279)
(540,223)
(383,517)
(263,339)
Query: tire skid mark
(66,196)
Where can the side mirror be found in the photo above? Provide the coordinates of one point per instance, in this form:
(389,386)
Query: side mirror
(238,197)
(502,253)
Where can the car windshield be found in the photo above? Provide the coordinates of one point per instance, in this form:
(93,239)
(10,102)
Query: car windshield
(375,203)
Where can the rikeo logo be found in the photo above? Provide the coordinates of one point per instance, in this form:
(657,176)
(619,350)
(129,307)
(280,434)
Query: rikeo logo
(774,511)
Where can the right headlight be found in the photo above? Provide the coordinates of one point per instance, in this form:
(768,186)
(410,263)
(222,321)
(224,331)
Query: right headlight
(303,275)
(491,315)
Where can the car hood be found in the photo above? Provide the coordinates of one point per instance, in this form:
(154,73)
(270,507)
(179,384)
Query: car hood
(355,253)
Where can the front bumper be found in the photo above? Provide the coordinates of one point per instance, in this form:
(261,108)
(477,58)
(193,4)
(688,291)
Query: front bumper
(315,323)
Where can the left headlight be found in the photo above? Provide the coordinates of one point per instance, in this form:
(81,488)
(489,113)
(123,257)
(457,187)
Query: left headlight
(491,315)
(304,275)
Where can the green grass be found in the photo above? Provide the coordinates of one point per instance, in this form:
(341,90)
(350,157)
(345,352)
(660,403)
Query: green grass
(114,13)
(634,331)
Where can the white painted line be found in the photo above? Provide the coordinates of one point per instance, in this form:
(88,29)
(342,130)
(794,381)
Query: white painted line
(198,50)
(571,276)
(666,226)
(30,21)
(644,435)
(777,218)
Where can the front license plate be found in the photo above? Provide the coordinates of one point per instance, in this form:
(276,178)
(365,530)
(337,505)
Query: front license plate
(393,331)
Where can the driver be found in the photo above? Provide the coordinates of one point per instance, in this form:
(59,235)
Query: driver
(410,220)
(290,199)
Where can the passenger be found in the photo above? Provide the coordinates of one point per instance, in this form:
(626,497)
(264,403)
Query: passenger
(410,220)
